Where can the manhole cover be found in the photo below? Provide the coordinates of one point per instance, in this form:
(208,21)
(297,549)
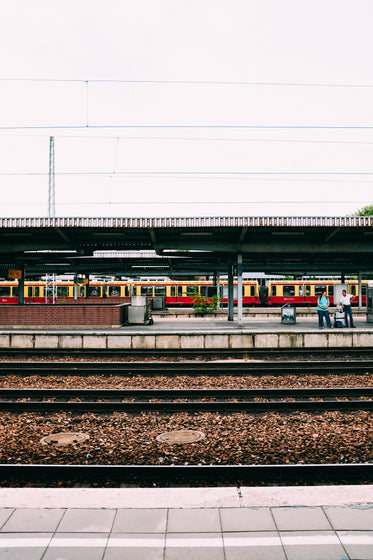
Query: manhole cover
(180,436)
(64,438)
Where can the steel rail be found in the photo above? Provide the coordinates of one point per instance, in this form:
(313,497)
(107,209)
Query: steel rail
(117,394)
(185,400)
(214,368)
(237,353)
(181,475)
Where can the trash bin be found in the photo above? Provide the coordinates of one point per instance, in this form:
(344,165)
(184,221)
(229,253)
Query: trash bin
(158,302)
(288,314)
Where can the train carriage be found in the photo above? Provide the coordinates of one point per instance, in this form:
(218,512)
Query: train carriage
(179,293)
(183,293)
(281,292)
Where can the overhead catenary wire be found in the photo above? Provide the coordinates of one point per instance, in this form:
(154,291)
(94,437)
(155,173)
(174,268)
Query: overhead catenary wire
(187,138)
(186,82)
(184,202)
(187,126)
(187,173)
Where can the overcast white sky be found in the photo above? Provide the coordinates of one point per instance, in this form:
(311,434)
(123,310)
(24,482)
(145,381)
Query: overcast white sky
(195,107)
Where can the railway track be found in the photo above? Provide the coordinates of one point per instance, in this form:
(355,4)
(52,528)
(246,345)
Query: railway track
(188,354)
(215,368)
(186,475)
(135,400)
(174,400)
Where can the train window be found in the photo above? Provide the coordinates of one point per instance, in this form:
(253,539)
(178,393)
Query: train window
(288,291)
(94,291)
(363,290)
(62,291)
(146,290)
(29,291)
(4,291)
(203,290)
(114,291)
(134,290)
(172,291)
(211,291)
(330,290)
(353,290)
(301,291)
(179,291)
(274,290)
(15,291)
(319,290)
(191,291)
(159,290)
(81,291)
(252,291)
(308,290)
(126,291)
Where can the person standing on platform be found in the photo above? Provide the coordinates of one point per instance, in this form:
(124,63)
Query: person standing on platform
(322,310)
(346,305)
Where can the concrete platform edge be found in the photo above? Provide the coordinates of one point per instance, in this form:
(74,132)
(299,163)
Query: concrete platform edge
(106,498)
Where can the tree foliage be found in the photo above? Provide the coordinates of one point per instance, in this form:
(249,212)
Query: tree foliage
(365,211)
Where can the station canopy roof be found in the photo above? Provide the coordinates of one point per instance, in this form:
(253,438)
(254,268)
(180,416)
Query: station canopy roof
(187,246)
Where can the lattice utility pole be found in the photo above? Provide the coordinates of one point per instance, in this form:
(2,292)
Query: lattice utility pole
(51,190)
(51,286)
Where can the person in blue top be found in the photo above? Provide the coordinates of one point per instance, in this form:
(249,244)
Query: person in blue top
(322,310)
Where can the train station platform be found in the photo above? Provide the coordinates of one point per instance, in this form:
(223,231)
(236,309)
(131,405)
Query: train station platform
(279,523)
(206,333)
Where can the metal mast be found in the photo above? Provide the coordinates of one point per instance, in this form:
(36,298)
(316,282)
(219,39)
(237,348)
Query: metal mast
(51,189)
(51,287)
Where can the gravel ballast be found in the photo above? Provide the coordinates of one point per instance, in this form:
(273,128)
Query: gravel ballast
(236,438)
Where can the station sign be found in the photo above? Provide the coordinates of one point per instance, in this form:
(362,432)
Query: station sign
(14,274)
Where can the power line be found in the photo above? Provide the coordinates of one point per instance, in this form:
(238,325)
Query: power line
(168,202)
(187,82)
(188,138)
(190,126)
(187,173)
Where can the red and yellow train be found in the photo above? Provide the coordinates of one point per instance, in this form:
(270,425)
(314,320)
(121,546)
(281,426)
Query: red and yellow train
(179,293)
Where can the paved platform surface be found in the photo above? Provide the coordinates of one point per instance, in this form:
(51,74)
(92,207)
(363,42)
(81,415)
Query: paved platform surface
(291,523)
(202,324)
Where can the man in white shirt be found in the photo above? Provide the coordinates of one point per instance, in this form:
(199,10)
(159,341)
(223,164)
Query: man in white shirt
(346,305)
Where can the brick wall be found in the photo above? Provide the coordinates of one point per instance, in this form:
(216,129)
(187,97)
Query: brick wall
(82,301)
(61,315)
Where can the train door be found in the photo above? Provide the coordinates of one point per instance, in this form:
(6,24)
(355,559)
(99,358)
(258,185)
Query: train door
(33,294)
(175,295)
(363,293)
(248,295)
(301,294)
(307,291)
(179,295)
